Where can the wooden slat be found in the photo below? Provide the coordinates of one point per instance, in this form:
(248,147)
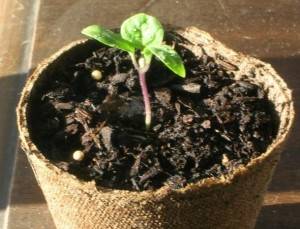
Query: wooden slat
(266,29)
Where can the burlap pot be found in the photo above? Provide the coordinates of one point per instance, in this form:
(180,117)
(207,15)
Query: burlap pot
(231,202)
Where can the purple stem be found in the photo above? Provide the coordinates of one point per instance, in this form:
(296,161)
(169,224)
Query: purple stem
(142,77)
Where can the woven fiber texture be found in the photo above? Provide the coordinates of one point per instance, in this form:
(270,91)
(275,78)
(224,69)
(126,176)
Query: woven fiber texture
(232,201)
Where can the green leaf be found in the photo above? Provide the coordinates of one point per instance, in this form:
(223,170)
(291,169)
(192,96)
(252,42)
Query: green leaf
(142,30)
(147,55)
(169,57)
(108,37)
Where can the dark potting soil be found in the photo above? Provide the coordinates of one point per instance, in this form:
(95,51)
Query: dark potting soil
(202,126)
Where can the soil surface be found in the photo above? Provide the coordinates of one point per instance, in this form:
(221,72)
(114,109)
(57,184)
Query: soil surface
(202,126)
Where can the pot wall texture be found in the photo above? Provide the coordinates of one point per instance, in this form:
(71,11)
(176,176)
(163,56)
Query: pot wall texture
(231,201)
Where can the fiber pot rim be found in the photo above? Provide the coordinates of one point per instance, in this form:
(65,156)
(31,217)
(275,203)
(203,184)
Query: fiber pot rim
(212,47)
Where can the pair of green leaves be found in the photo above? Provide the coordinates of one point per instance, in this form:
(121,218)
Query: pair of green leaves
(142,32)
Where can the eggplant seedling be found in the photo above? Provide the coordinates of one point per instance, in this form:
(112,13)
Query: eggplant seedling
(142,37)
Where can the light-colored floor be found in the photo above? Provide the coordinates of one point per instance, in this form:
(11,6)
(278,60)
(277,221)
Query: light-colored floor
(17,29)
(32,30)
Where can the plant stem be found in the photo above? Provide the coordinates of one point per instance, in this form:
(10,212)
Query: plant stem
(142,77)
(134,62)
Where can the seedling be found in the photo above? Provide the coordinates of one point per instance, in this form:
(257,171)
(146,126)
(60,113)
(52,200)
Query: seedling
(142,37)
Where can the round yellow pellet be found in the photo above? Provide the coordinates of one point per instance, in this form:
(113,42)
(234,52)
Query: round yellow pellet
(96,75)
(78,155)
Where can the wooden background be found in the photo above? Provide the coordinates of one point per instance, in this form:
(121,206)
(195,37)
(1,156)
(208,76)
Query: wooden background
(31,30)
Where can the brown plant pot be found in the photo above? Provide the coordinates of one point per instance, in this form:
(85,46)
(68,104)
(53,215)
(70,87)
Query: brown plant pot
(233,201)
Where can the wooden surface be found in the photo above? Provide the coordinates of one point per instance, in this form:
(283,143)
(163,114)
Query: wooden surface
(269,30)
(16,30)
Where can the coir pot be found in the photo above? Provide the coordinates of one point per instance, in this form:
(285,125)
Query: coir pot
(232,201)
